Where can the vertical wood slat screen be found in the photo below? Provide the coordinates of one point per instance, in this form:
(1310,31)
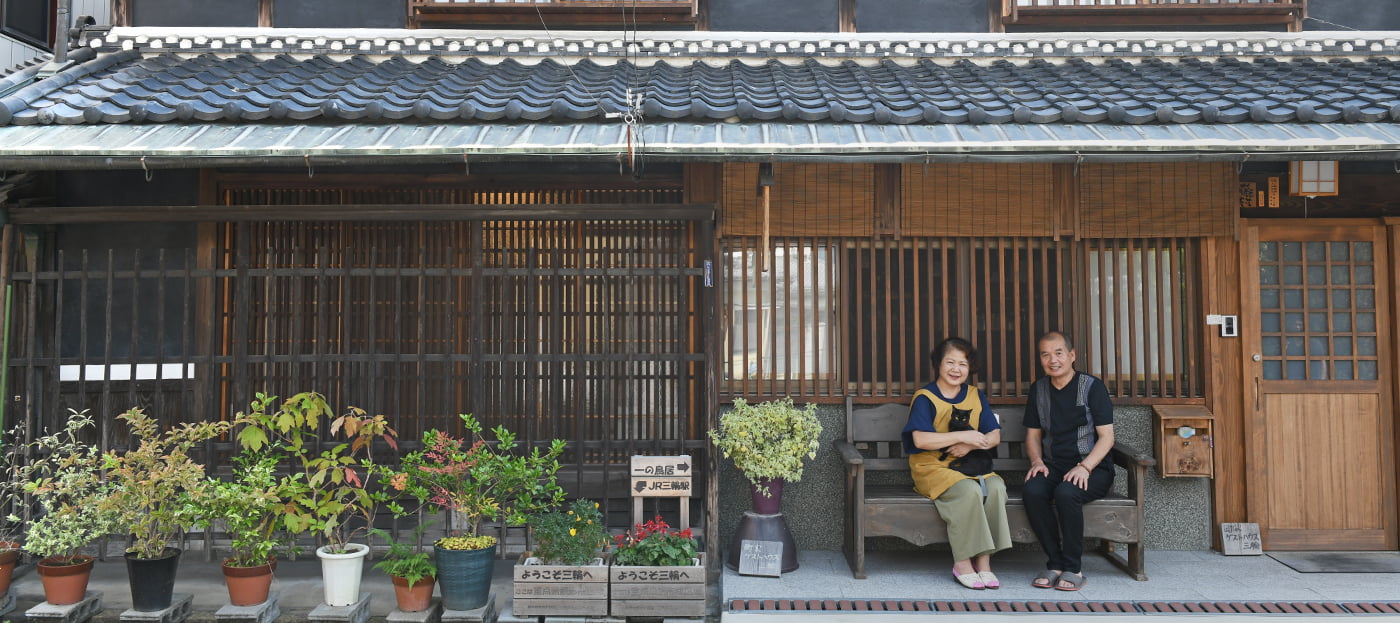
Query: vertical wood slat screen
(978,200)
(350,194)
(1127,302)
(1140,316)
(783,321)
(805,200)
(1158,199)
(896,296)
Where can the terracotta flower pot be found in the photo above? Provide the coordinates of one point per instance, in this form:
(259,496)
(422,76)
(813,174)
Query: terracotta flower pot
(65,583)
(9,554)
(417,598)
(248,586)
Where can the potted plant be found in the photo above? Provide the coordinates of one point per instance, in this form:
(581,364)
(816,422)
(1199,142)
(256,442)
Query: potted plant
(247,506)
(325,494)
(152,483)
(64,479)
(566,573)
(768,442)
(657,571)
(412,572)
(474,480)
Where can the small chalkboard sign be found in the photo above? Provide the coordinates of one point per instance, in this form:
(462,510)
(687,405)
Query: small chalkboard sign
(1241,539)
(761,558)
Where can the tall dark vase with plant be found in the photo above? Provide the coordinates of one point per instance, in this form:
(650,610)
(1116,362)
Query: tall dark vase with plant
(768,443)
(246,507)
(476,479)
(325,494)
(154,482)
(64,480)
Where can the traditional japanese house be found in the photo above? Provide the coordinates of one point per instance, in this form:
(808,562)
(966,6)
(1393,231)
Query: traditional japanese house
(602,221)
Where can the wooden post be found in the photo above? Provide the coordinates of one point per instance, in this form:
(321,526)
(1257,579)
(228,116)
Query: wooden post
(765,258)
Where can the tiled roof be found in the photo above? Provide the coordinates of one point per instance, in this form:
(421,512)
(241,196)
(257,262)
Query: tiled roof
(262,76)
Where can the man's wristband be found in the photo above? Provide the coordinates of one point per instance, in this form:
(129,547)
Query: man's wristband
(1086,467)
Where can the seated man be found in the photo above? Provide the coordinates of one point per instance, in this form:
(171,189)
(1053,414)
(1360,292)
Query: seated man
(1069,433)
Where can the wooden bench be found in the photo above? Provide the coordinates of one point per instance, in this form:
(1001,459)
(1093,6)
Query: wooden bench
(872,445)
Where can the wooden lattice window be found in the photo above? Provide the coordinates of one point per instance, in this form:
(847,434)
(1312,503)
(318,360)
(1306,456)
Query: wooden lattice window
(1318,310)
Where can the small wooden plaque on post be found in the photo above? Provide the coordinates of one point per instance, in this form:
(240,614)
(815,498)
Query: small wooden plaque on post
(1241,539)
(761,558)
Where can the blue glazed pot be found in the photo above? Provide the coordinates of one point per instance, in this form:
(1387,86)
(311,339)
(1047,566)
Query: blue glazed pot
(464,576)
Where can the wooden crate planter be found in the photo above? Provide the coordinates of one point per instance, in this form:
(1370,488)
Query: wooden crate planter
(658,591)
(558,590)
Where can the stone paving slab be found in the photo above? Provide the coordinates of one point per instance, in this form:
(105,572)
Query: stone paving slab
(1201,576)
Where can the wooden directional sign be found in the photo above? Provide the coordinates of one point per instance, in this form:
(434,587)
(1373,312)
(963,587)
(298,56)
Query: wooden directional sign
(662,466)
(662,476)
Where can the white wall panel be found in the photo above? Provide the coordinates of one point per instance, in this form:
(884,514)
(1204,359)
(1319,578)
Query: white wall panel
(13,52)
(100,10)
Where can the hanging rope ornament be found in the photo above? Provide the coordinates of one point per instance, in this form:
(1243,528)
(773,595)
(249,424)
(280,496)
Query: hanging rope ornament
(765,186)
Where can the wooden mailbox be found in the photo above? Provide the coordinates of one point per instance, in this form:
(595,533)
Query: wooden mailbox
(1184,437)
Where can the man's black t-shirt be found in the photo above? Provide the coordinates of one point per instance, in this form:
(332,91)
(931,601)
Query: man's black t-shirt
(1066,417)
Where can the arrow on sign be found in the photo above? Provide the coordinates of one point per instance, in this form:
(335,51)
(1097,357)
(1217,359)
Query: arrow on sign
(682,467)
(641,486)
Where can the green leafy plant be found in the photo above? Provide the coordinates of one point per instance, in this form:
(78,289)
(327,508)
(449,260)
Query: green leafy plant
(64,476)
(768,440)
(404,560)
(572,537)
(655,544)
(154,480)
(247,506)
(478,479)
(326,492)
(12,484)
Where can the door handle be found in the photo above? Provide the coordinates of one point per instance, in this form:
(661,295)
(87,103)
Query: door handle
(1256,394)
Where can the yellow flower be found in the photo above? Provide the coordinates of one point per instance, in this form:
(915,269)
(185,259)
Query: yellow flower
(573,532)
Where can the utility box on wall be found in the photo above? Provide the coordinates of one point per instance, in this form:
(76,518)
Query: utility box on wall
(1184,436)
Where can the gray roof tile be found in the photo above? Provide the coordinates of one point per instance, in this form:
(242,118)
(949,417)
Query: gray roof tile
(241,77)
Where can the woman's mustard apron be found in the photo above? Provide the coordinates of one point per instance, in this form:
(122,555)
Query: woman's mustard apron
(932,476)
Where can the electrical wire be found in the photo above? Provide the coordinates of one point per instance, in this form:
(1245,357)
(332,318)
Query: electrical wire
(570,68)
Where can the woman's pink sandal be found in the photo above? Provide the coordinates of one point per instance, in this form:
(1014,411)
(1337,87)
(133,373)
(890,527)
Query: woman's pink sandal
(989,580)
(970,580)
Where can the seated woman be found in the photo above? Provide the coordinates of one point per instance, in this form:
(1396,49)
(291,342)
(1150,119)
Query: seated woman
(950,422)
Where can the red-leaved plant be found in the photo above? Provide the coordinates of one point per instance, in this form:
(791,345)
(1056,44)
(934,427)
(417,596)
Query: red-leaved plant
(655,544)
(479,479)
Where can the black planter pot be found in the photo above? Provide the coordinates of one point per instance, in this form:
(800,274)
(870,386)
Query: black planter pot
(152,580)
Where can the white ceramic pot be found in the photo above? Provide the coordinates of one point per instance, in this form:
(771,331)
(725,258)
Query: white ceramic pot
(340,574)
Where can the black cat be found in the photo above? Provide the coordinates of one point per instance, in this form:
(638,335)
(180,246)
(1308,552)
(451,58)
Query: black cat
(975,462)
